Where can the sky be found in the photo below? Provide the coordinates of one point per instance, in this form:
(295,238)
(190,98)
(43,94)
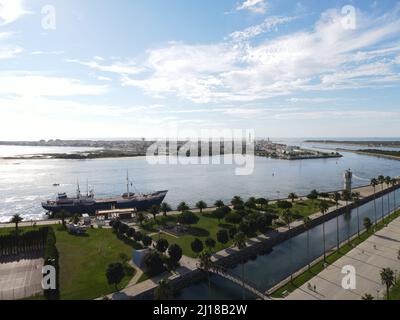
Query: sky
(145,68)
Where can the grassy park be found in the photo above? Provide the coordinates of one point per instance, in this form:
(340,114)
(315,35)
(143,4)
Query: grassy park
(84,259)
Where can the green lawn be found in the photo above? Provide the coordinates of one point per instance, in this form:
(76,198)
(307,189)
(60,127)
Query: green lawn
(395,292)
(83,263)
(303,208)
(207,227)
(318,267)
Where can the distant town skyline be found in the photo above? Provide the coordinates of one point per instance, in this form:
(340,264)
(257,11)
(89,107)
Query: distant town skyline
(132,69)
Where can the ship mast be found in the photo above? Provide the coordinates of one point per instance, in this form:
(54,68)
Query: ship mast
(78,190)
(127,182)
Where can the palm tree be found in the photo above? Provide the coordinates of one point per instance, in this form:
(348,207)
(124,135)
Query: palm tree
(165,207)
(292,196)
(336,197)
(236,200)
(388,180)
(207,265)
(374,182)
(323,207)
(356,199)
(287,217)
(307,226)
(367,296)
(388,279)
(16,218)
(154,210)
(201,205)
(240,242)
(183,207)
(393,182)
(219,204)
(381,180)
(164,290)
(346,195)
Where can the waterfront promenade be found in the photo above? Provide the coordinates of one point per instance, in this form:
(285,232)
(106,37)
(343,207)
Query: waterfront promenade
(379,251)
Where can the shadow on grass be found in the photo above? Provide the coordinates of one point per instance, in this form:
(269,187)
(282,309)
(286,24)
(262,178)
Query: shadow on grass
(198,232)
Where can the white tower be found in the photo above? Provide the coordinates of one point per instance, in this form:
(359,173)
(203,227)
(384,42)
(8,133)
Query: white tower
(348,176)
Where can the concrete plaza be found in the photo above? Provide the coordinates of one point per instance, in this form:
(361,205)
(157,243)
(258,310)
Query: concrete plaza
(20,278)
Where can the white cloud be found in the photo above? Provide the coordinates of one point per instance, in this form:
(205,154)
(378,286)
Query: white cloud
(11,10)
(8,51)
(31,85)
(255,6)
(266,25)
(117,67)
(325,57)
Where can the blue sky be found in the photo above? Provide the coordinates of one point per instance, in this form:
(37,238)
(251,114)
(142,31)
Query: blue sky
(141,68)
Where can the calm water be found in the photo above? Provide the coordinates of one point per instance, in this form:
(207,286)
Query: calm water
(25,183)
(268,270)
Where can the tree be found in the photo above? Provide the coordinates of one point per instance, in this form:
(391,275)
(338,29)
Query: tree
(162,245)
(220,213)
(219,204)
(307,226)
(147,241)
(394,183)
(292,196)
(201,205)
(123,228)
(262,202)
(115,273)
(367,224)
(210,243)
(116,224)
(251,203)
(388,279)
(367,296)
(323,207)
(153,263)
(164,290)
(356,199)
(233,218)
(264,221)
(140,218)
(62,214)
(165,207)
(183,207)
(374,182)
(131,232)
(388,180)
(16,218)
(188,218)
(222,236)
(232,232)
(381,180)
(175,253)
(336,198)
(207,265)
(197,245)
(236,200)
(313,195)
(154,210)
(248,227)
(138,236)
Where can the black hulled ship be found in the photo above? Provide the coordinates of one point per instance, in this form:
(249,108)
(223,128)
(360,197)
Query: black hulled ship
(87,203)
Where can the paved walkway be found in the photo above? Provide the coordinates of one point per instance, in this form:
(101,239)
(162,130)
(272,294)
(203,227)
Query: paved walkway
(379,251)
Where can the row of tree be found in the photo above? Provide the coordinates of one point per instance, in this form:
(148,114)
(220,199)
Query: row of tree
(23,243)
